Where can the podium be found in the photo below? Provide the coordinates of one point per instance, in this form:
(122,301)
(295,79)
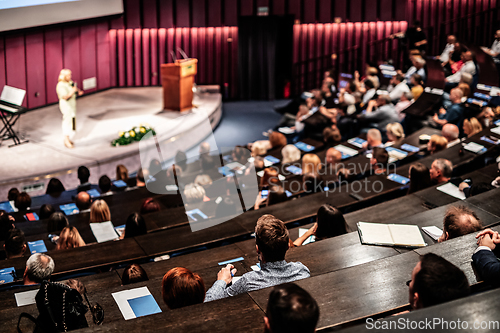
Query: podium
(177,80)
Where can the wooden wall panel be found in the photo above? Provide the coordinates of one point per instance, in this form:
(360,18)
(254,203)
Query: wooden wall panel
(199,13)
(105,62)
(35,70)
(88,53)
(132,13)
(149,14)
(53,62)
(71,52)
(181,18)
(215,13)
(16,63)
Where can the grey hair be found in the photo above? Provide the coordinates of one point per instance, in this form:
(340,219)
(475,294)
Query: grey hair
(194,193)
(40,267)
(374,134)
(290,154)
(445,167)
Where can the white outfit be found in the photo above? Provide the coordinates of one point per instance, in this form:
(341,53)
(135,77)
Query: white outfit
(445,56)
(67,107)
(398,91)
(495,47)
(468,67)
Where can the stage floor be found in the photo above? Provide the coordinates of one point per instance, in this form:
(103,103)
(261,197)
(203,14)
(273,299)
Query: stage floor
(100,117)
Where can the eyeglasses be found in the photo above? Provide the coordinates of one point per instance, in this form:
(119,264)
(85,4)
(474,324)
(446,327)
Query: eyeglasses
(96,310)
(408,283)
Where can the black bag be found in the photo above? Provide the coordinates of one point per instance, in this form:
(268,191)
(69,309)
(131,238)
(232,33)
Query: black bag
(60,308)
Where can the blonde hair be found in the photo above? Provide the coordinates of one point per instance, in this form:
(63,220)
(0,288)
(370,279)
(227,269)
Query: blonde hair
(99,212)
(290,153)
(62,75)
(396,130)
(194,193)
(203,180)
(311,163)
(69,239)
(438,143)
(121,173)
(474,126)
(260,147)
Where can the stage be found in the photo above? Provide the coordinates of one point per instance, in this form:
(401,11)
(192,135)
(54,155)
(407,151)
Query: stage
(100,118)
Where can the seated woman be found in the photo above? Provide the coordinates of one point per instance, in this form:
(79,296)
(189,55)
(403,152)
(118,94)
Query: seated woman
(311,163)
(331,136)
(55,187)
(181,287)
(69,239)
(417,85)
(134,273)
(57,222)
(420,177)
(330,223)
(135,226)
(46,211)
(277,140)
(472,126)
(394,132)
(275,195)
(290,154)
(99,212)
(269,178)
(436,144)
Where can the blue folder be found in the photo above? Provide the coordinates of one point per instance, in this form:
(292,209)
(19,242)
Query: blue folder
(144,306)
(37,247)
(398,179)
(69,209)
(7,275)
(411,148)
(304,146)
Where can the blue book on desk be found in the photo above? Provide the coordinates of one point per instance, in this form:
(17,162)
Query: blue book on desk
(410,148)
(144,306)
(69,209)
(37,247)
(398,179)
(304,146)
(272,159)
(7,206)
(7,275)
(120,183)
(94,193)
(357,142)
(225,171)
(294,169)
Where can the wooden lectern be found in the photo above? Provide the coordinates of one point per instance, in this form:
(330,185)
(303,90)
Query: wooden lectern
(177,80)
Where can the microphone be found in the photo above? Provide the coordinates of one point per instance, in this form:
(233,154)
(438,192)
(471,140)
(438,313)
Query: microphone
(72,83)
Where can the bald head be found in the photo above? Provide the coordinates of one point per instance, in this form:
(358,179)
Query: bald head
(333,156)
(374,138)
(204,148)
(450,132)
(456,95)
(467,56)
(452,39)
(459,221)
(82,200)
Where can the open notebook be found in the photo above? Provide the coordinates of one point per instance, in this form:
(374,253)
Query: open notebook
(401,235)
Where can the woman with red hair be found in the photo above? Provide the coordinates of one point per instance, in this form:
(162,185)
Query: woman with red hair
(181,287)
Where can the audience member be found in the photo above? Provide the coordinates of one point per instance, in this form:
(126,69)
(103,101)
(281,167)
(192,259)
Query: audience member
(417,83)
(330,222)
(397,87)
(122,173)
(472,126)
(312,183)
(417,68)
(13,193)
(83,201)
(54,186)
(134,273)
(290,154)
(394,132)
(494,50)
(46,211)
(459,221)
(404,102)
(69,238)
(105,185)
(269,177)
(23,201)
(373,139)
(277,140)
(272,242)
(260,147)
(57,222)
(420,177)
(203,180)
(150,205)
(485,260)
(290,309)
(448,49)
(241,155)
(474,189)
(194,193)
(181,287)
(99,212)
(349,94)
(370,93)
(468,67)
(180,160)
(140,180)
(83,175)
(441,171)
(380,113)
(311,163)
(39,267)
(6,224)
(435,280)
(275,194)
(15,244)
(333,157)
(436,144)
(331,135)
(379,160)
(204,148)
(135,226)
(451,133)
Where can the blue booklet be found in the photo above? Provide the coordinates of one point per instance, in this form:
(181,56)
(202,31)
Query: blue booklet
(196,215)
(225,171)
(399,152)
(144,306)
(69,209)
(37,247)
(272,159)
(6,205)
(223,263)
(497,122)
(94,193)
(294,169)
(398,178)
(7,275)
(304,146)
(411,148)
(288,193)
(357,142)
(119,183)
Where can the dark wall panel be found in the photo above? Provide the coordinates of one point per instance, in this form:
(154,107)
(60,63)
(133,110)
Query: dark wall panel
(16,63)
(35,70)
(53,62)
(104,63)
(166,14)
(181,18)
(149,14)
(215,13)
(199,13)
(132,13)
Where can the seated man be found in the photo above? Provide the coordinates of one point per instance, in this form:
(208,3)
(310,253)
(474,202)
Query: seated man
(435,280)
(105,185)
(83,202)
(15,244)
(397,87)
(291,309)
(459,221)
(379,160)
(441,171)
(380,112)
(451,133)
(373,139)
(39,267)
(272,242)
(494,51)
(418,67)
(333,157)
(455,113)
(485,261)
(83,175)
(448,49)
(468,67)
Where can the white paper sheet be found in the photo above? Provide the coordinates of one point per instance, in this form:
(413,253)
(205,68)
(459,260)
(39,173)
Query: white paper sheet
(104,231)
(308,240)
(452,190)
(122,297)
(406,235)
(346,150)
(26,297)
(496,130)
(13,95)
(433,232)
(473,147)
(375,233)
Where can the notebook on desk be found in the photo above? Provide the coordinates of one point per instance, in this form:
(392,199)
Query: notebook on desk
(400,235)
